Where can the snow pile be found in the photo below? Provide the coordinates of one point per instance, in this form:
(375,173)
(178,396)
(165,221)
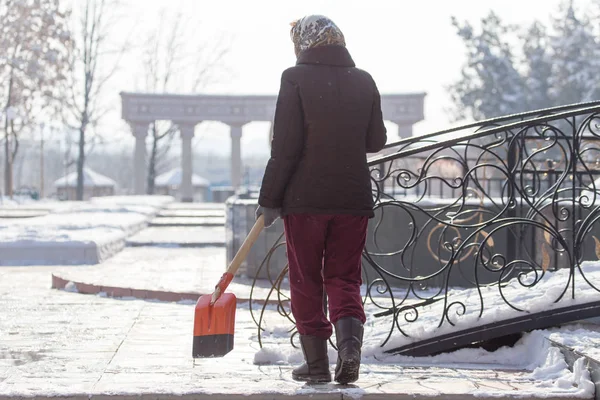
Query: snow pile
(542,296)
(78,232)
(532,353)
(70,287)
(555,373)
(527,354)
(285,355)
(580,340)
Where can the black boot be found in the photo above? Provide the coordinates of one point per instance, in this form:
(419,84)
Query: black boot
(316,367)
(349,337)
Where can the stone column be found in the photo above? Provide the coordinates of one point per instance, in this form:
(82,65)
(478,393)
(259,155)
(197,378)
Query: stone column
(140,131)
(186,190)
(236,155)
(404,130)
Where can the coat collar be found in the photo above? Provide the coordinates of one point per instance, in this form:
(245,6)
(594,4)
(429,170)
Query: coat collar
(326,55)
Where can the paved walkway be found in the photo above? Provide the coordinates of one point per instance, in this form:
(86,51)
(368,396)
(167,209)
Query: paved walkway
(56,343)
(59,343)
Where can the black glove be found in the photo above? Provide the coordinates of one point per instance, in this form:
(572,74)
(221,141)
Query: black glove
(270,214)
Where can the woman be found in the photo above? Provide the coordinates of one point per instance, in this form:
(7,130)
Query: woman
(327,118)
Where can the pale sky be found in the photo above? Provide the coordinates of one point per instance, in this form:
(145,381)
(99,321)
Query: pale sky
(407,45)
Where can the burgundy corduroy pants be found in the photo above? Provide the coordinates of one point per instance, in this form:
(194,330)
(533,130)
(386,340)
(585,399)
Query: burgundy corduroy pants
(324,251)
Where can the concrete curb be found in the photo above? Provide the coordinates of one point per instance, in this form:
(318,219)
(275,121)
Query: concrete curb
(176,245)
(140,294)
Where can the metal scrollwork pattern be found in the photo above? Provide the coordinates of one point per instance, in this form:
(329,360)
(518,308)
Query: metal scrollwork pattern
(476,206)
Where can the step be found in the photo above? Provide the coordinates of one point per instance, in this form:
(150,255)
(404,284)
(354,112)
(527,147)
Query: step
(177,236)
(187,221)
(196,206)
(190,213)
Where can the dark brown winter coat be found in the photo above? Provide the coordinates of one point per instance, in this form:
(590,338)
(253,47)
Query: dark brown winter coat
(327,118)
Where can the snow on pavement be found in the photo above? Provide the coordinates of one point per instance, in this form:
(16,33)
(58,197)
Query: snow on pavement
(59,343)
(179,270)
(56,343)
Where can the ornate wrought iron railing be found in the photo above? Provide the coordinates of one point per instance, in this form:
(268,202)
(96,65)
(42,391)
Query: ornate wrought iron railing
(480,206)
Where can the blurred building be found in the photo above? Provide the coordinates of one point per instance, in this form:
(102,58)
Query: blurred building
(169,183)
(94,185)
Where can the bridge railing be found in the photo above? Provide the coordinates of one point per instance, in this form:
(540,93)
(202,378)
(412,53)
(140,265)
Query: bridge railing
(484,205)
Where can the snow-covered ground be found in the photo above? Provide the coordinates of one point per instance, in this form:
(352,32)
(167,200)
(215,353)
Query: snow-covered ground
(61,343)
(189,270)
(533,352)
(56,343)
(76,232)
(184,269)
(545,365)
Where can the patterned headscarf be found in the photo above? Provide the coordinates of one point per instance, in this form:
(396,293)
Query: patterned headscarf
(315,30)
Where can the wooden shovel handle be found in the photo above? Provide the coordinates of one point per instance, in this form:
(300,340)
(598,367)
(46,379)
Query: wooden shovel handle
(238,259)
(246,246)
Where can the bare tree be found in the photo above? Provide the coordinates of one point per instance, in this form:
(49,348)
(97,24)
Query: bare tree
(163,133)
(176,61)
(90,74)
(34,48)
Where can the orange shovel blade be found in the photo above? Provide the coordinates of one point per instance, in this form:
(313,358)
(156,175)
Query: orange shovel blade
(214,326)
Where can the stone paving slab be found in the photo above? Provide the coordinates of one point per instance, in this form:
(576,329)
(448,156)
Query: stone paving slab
(56,343)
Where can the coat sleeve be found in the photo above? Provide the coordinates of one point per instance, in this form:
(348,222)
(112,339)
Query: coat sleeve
(377,133)
(286,145)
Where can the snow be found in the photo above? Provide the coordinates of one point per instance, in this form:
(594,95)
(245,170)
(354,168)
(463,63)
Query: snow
(174,178)
(532,353)
(527,354)
(90,179)
(542,296)
(555,372)
(70,287)
(77,232)
(267,355)
(532,359)
(122,355)
(581,340)
(553,366)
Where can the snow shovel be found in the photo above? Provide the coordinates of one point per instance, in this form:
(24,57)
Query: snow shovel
(214,319)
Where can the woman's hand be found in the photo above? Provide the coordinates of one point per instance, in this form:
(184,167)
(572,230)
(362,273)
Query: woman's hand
(270,214)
